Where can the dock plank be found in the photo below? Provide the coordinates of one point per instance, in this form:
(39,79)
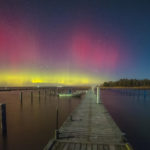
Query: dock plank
(83,147)
(100,147)
(91,128)
(94,147)
(66,146)
(77,146)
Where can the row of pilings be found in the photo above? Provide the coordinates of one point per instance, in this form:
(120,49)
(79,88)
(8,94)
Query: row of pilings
(39,92)
(42,92)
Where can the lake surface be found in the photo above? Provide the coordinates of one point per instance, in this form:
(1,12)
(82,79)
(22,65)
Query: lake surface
(131,111)
(32,123)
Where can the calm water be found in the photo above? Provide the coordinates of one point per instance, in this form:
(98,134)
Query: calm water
(131,111)
(31,124)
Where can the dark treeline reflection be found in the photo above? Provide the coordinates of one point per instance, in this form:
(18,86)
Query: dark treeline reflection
(128,83)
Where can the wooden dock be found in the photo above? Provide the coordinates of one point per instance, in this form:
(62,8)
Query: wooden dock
(89,127)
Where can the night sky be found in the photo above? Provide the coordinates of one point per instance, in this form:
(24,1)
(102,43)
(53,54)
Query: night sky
(73,42)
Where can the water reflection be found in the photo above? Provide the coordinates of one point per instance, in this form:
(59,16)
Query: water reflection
(131,109)
(32,120)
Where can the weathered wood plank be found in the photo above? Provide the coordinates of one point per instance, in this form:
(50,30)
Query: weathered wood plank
(55,146)
(94,147)
(66,146)
(89,147)
(71,146)
(83,147)
(112,147)
(123,147)
(77,146)
(118,147)
(100,147)
(61,146)
(91,128)
(106,147)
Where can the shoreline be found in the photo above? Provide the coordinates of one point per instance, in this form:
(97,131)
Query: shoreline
(123,87)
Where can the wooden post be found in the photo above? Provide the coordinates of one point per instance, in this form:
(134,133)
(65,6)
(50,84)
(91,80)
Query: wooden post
(57,118)
(21,96)
(56,134)
(45,94)
(98,95)
(57,91)
(49,92)
(31,96)
(3,119)
(39,95)
(71,118)
(57,125)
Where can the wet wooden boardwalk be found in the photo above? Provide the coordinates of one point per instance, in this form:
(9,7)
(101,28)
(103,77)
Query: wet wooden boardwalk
(90,127)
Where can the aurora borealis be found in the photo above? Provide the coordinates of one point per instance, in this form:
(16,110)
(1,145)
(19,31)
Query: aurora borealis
(72,42)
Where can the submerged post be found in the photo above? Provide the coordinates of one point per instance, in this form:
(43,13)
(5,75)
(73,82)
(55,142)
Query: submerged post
(39,95)
(98,95)
(57,125)
(21,97)
(31,96)
(45,94)
(3,119)
(49,92)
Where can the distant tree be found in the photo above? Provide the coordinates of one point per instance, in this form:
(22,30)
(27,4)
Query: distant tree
(105,84)
(127,83)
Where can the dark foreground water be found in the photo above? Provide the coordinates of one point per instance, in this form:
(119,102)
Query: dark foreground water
(31,124)
(131,111)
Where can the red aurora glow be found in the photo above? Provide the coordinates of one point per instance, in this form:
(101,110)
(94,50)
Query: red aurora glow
(17,46)
(93,52)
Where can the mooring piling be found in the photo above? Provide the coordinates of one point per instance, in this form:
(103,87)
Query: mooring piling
(57,124)
(39,95)
(31,96)
(98,95)
(21,97)
(45,94)
(3,119)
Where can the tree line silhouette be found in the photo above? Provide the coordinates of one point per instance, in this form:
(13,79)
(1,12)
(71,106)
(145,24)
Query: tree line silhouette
(128,83)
